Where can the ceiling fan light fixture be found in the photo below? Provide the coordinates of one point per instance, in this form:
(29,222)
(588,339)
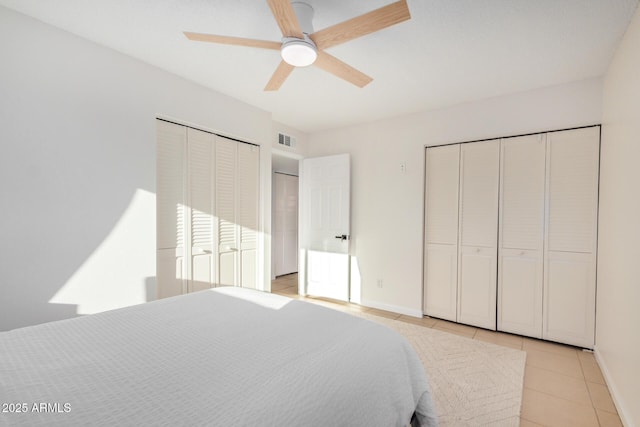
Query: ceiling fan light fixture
(298,52)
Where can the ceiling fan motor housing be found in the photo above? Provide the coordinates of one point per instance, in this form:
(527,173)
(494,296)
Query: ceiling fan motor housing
(304,13)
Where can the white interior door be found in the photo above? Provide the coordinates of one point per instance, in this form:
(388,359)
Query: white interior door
(324,226)
(441,232)
(478,233)
(521,236)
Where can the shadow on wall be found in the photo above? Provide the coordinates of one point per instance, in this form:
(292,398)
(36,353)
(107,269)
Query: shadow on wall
(62,198)
(51,263)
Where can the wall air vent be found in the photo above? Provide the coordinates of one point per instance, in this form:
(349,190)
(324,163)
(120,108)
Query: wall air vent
(286,140)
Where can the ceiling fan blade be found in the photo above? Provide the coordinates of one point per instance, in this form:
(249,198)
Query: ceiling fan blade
(279,76)
(211,38)
(333,65)
(286,18)
(362,25)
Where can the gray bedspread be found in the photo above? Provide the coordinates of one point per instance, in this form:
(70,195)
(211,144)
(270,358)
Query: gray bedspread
(221,357)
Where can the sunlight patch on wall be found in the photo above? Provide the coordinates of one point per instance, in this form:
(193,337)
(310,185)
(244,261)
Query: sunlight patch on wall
(115,274)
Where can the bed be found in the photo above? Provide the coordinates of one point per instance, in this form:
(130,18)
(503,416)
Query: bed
(221,357)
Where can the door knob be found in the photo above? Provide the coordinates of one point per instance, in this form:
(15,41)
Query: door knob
(343,237)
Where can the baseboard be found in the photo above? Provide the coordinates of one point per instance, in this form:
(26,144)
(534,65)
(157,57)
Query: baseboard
(393,308)
(622,412)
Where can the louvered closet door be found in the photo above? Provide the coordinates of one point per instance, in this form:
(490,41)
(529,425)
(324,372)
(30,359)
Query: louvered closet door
(441,231)
(226,210)
(200,270)
(170,208)
(521,235)
(248,198)
(570,260)
(478,233)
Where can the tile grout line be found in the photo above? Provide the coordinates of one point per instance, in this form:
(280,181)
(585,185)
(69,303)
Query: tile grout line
(560,398)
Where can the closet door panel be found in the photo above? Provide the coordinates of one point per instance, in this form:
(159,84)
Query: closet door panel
(573,190)
(248,216)
(570,258)
(201,227)
(479,177)
(442,170)
(521,235)
(440,293)
(227,268)
(478,233)
(441,231)
(226,209)
(171,280)
(520,292)
(522,192)
(570,299)
(171,209)
(477,287)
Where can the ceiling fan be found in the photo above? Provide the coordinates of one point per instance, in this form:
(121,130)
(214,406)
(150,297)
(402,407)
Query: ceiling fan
(301,46)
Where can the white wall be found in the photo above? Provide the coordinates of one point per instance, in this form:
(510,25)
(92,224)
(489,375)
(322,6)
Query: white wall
(618,315)
(302,140)
(387,204)
(77,169)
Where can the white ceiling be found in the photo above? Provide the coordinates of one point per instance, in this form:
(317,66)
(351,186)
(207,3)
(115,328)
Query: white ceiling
(451,51)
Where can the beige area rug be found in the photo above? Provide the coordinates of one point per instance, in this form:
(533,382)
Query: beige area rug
(473,383)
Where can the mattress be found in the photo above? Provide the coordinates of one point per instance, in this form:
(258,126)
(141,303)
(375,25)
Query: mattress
(220,357)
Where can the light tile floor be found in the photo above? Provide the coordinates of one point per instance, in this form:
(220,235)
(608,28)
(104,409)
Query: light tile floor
(563,386)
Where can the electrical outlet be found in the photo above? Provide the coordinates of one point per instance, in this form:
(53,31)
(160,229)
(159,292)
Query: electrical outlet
(403,167)
(380,283)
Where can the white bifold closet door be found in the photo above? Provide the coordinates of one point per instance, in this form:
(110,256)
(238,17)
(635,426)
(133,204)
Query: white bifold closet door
(521,235)
(200,270)
(236,185)
(478,231)
(526,210)
(207,211)
(248,213)
(171,209)
(571,233)
(441,231)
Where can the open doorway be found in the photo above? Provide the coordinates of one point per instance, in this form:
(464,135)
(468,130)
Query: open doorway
(284,214)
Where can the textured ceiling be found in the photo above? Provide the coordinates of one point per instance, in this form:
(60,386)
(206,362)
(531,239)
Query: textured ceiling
(451,51)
